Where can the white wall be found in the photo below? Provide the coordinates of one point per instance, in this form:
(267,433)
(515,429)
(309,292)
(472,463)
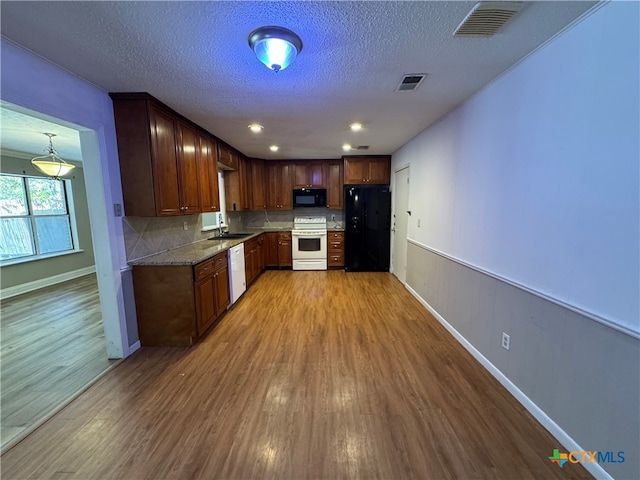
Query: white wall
(33,83)
(535,178)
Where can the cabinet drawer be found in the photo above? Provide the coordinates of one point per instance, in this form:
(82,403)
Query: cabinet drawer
(204,269)
(220,262)
(335,259)
(284,236)
(335,236)
(336,246)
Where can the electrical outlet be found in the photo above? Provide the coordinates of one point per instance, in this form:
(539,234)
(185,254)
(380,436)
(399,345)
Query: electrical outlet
(418,223)
(185,226)
(506,341)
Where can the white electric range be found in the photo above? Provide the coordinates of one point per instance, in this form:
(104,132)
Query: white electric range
(309,243)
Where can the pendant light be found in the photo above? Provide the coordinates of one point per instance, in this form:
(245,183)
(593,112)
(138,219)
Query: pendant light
(276,47)
(51,164)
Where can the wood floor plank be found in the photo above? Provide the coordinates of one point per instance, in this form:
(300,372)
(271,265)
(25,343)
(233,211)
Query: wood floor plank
(310,375)
(52,345)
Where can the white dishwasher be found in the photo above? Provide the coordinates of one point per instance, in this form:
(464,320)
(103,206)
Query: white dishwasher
(237,279)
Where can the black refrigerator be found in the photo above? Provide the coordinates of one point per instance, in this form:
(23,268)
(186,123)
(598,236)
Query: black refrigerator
(367,219)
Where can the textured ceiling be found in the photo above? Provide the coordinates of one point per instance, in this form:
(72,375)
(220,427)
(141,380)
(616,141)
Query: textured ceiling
(194,57)
(24,133)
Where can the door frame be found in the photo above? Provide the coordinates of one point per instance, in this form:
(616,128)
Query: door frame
(394,237)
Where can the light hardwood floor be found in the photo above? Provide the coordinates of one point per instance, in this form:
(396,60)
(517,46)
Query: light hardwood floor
(311,375)
(52,345)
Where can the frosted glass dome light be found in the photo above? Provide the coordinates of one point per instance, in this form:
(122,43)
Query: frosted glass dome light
(276,47)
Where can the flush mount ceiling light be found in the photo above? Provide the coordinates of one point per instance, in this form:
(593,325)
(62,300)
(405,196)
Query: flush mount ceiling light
(355,127)
(51,164)
(256,128)
(273,148)
(276,47)
(346,147)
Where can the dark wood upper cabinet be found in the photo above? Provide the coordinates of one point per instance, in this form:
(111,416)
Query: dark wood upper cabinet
(164,161)
(367,170)
(279,190)
(226,157)
(256,184)
(335,191)
(188,169)
(309,174)
(207,161)
(157,152)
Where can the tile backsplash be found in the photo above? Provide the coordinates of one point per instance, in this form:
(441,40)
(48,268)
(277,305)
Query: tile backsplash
(144,236)
(284,218)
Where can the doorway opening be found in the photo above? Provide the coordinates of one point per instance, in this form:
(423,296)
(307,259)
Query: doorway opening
(69,317)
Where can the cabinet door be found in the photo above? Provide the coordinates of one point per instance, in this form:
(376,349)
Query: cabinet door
(255,183)
(279,192)
(335,186)
(379,170)
(165,162)
(270,249)
(207,174)
(316,174)
(260,254)
(249,267)
(284,249)
(285,192)
(300,175)
(226,158)
(271,174)
(309,174)
(355,171)
(206,311)
(188,168)
(222,289)
(284,253)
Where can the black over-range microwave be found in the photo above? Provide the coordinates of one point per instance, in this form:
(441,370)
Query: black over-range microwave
(309,197)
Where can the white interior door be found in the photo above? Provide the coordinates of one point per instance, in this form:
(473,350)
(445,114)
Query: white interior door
(400,222)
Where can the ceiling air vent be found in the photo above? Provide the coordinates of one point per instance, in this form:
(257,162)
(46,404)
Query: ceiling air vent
(487,18)
(362,147)
(410,82)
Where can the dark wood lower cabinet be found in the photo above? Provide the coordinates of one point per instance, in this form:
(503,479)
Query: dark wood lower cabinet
(335,249)
(284,249)
(271,249)
(176,305)
(253,258)
(277,249)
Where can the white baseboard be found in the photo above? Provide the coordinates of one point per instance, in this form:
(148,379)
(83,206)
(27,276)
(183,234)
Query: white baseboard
(554,429)
(45,282)
(134,347)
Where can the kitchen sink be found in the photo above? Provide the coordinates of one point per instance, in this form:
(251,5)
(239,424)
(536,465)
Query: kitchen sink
(231,236)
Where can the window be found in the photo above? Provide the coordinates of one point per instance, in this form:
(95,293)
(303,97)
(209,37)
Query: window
(211,221)
(34,217)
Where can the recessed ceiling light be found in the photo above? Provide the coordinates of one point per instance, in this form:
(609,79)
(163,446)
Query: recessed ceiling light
(274,148)
(346,147)
(355,127)
(256,128)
